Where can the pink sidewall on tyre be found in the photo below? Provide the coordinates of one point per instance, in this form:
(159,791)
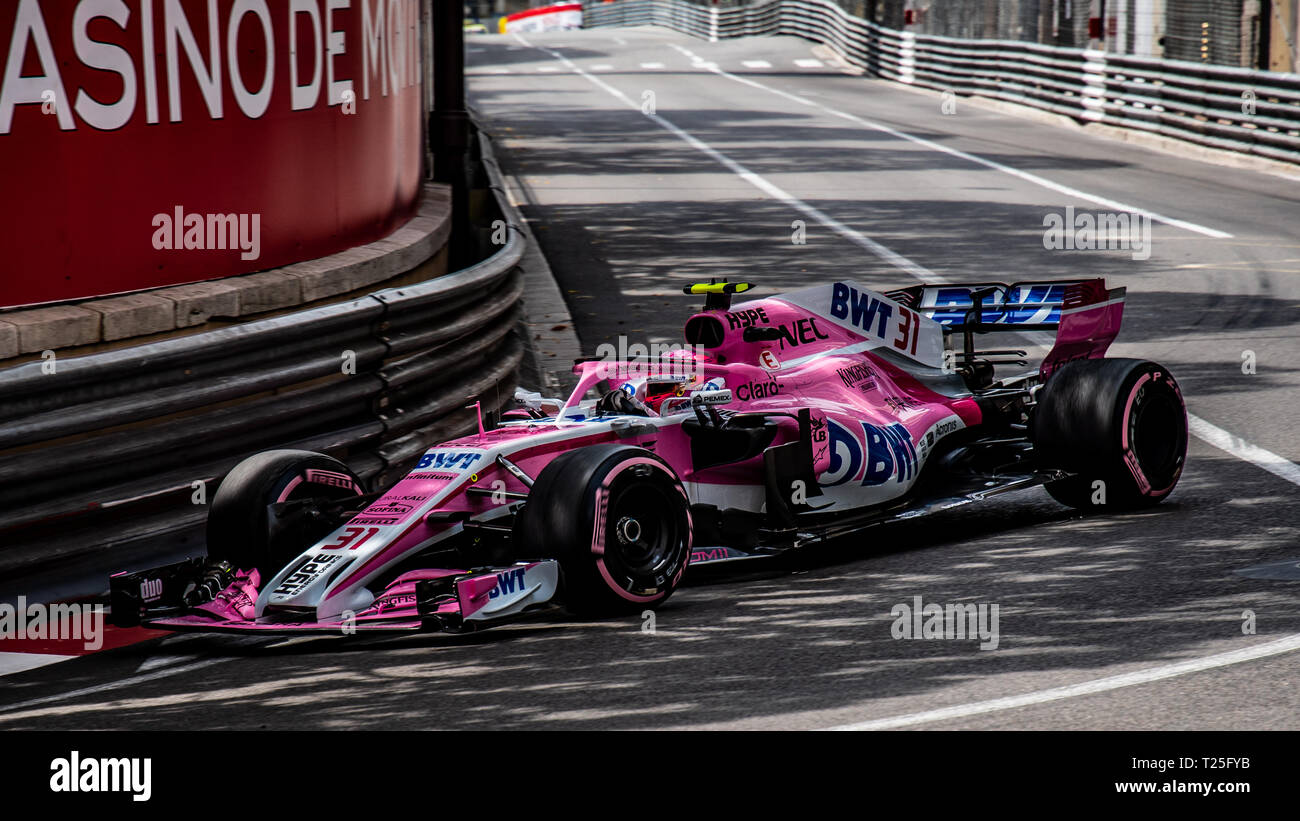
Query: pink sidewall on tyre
(617,519)
(1119,425)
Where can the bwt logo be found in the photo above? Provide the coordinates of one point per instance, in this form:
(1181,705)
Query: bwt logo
(882,453)
(179,231)
(865,309)
(445,460)
(1012,306)
(508,582)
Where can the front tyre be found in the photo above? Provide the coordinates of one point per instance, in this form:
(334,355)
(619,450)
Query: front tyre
(1120,425)
(618,521)
(252,521)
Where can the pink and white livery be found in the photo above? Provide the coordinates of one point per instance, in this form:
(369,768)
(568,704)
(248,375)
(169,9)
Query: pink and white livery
(782,422)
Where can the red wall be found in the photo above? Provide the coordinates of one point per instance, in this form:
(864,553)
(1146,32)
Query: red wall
(80,191)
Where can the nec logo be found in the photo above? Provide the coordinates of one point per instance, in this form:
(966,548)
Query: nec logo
(508,582)
(862,310)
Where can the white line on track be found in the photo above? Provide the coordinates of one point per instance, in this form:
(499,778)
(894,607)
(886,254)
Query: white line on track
(1286,644)
(808,62)
(1105,202)
(602,67)
(652,65)
(1219,438)
(1215,436)
(112,685)
(853,235)
(11,663)
(1235,445)
(756,64)
(1200,428)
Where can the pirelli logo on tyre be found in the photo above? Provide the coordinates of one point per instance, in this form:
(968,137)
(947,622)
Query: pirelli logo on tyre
(330,478)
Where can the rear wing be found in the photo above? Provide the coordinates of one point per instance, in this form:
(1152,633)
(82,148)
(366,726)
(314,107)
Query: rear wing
(1019,306)
(1084,313)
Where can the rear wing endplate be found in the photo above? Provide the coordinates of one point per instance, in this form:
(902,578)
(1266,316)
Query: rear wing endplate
(1085,314)
(1018,306)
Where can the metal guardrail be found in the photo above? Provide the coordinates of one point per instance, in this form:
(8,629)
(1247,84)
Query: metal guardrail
(1242,110)
(106,450)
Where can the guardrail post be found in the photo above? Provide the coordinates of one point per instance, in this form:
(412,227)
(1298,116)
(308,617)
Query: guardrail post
(907,58)
(1217,106)
(449,123)
(1093,99)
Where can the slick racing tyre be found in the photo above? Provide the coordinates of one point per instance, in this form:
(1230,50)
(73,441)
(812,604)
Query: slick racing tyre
(1118,422)
(247,525)
(618,521)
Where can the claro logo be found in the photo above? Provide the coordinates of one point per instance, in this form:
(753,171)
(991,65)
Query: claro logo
(757,390)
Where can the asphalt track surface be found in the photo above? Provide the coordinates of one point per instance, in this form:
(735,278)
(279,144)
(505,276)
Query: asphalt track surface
(1105,622)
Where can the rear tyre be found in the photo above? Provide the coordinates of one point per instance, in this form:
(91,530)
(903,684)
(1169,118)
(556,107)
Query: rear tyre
(244,527)
(1120,425)
(617,519)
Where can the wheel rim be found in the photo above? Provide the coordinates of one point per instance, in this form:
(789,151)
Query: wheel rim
(1156,435)
(288,535)
(645,531)
(628,530)
(644,536)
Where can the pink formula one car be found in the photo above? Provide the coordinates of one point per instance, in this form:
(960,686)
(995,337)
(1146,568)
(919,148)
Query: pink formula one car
(784,421)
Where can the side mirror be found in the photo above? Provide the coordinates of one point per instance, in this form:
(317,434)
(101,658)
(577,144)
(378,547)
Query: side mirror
(536,402)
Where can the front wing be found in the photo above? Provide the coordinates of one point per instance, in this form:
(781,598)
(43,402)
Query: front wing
(433,600)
